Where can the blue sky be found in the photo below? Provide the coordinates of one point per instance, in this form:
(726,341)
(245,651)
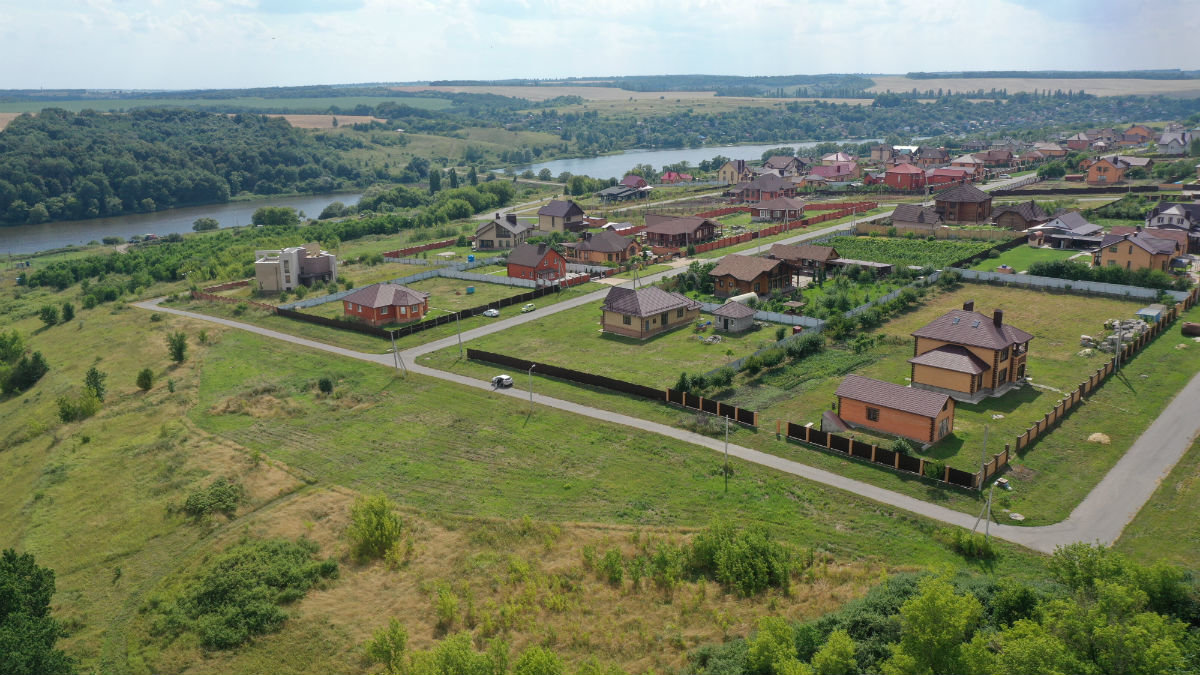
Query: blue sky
(172,44)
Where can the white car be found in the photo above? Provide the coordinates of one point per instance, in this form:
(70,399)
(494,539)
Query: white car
(528,308)
(501,381)
(491,312)
(1005,175)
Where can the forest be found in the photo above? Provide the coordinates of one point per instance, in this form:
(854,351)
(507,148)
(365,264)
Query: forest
(63,165)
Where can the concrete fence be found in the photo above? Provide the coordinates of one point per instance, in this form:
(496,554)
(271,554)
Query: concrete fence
(1085,287)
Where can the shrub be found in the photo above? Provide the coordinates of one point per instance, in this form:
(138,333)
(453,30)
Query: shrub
(902,446)
(145,379)
(221,495)
(68,312)
(722,378)
(772,357)
(969,544)
(447,608)
(752,365)
(89,301)
(325,385)
(81,407)
(746,561)
(539,661)
(27,371)
(93,381)
(698,383)
(611,567)
(935,469)
(48,314)
(780,333)
(374,527)
(388,647)
(177,346)
(240,309)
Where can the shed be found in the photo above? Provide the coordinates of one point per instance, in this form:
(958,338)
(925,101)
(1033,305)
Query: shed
(733,317)
(1152,313)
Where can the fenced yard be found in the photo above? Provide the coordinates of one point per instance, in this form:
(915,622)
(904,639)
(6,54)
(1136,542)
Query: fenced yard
(1021,257)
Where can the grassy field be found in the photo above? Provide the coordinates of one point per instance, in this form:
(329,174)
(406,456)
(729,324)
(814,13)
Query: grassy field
(1165,529)
(905,251)
(444,294)
(1021,257)
(1096,87)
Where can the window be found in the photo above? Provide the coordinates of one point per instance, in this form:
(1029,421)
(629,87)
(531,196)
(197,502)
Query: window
(662,318)
(873,414)
(679,313)
(387,310)
(1004,354)
(1112,262)
(1003,375)
(1112,249)
(627,320)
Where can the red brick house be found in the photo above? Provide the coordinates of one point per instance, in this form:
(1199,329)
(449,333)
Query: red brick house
(969,355)
(766,187)
(948,175)
(381,304)
(963,204)
(678,232)
(923,416)
(538,262)
(837,172)
(1078,142)
(905,177)
(781,208)
(738,274)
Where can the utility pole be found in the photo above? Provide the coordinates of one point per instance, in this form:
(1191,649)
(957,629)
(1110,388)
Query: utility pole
(397,360)
(458,328)
(983,459)
(531,367)
(725,469)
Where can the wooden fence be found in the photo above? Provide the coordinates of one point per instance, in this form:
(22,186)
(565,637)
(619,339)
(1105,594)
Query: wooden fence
(404,252)
(230,285)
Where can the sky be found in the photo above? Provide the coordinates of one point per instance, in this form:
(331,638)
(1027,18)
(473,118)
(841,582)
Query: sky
(190,44)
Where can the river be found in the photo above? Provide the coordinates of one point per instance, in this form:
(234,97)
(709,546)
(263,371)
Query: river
(32,238)
(615,166)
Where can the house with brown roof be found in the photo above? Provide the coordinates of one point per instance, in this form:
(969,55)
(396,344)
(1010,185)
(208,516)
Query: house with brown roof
(1050,149)
(1180,237)
(1138,251)
(923,416)
(766,187)
(1105,171)
(970,163)
(602,247)
(915,216)
(783,165)
(836,158)
(805,258)
(678,231)
(382,304)
(904,177)
(1019,216)
(1078,142)
(995,157)
(948,175)
(634,181)
(778,209)
(738,274)
(963,204)
(504,231)
(837,172)
(734,171)
(561,216)
(733,317)
(645,312)
(538,262)
(1136,135)
(968,355)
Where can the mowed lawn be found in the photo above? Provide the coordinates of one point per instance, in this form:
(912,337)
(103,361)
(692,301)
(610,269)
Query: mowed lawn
(572,339)
(444,294)
(1021,257)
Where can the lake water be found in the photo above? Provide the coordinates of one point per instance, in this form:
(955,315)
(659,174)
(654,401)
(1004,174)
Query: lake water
(32,238)
(615,166)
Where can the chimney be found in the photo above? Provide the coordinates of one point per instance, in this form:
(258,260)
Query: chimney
(998,318)
(969,306)
(511,218)
(1139,229)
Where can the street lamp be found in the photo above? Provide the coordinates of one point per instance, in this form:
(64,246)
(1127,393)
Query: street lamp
(531,367)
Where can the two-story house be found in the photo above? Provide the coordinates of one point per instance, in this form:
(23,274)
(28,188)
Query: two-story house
(734,171)
(602,247)
(1106,170)
(538,262)
(503,232)
(738,274)
(561,216)
(963,204)
(968,355)
(1137,251)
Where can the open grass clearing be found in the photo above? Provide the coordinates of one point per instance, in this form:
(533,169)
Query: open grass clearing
(445,294)
(1021,257)
(1166,527)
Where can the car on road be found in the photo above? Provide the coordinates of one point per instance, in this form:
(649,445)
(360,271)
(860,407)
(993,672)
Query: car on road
(501,381)
(1005,175)
(528,307)
(491,312)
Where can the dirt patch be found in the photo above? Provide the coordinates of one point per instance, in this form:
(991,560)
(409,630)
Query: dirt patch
(1022,472)
(5,118)
(259,402)
(326,121)
(1100,438)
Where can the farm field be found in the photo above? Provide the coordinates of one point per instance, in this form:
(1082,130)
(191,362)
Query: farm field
(1097,87)
(6,117)
(1021,257)
(903,251)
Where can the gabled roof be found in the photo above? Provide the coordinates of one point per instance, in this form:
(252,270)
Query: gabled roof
(643,302)
(733,310)
(530,255)
(1151,245)
(954,171)
(616,191)
(894,396)
(771,183)
(1029,210)
(1181,137)
(603,242)
(658,224)
(966,159)
(780,204)
(915,213)
(779,162)
(1047,146)
(561,209)
(744,267)
(959,326)
(516,228)
(803,252)
(837,157)
(386,295)
(1178,236)
(963,193)
(905,168)
(951,357)
(1191,208)
(633,181)
(1073,222)
(838,170)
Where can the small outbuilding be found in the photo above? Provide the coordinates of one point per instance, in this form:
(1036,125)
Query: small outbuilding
(733,317)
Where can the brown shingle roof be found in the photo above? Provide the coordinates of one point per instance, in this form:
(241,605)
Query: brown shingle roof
(1152,245)
(1178,236)
(1029,210)
(386,295)
(643,302)
(959,326)
(733,310)
(962,193)
(561,209)
(894,396)
(779,162)
(803,252)
(771,183)
(780,204)
(951,357)
(744,267)
(603,242)
(529,255)
(674,224)
(915,213)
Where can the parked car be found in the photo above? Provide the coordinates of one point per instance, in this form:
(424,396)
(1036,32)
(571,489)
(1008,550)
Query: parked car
(491,312)
(528,307)
(1005,175)
(501,381)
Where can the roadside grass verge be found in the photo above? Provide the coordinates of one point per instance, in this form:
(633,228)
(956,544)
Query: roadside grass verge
(1165,529)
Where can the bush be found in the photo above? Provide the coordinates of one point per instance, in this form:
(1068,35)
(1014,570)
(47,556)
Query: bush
(240,309)
(325,385)
(772,357)
(48,314)
(75,408)
(374,527)
(752,365)
(611,567)
(68,312)
(780,333)
(221,495)
(93,381)
(722,378)
(745,561)
(25,374)
(969,544)
(177,346)
(145,379)
(902,446)
(935,469)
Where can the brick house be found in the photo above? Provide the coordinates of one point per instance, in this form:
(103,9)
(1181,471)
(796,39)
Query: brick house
(1105,171)
(839,171)
(970,163)
(1136,135)
(968,355)
(1020,216)
(806,258)
(783,165)
(766,187)
(923,416)
(561,216)
(1078,142)
(963,204)
(602,247)
(634,181)
(836,158)
(734,171)
(1050,149)
(381,304)
(905,177)
(779,209)
(1136,251)
(995,157)
(645,312)
(678,232)
(948,175)
(737,274)
(538,262)
(504,231)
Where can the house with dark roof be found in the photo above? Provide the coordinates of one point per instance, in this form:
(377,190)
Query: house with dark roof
(927,157)
(1019,216)
(645,312)
(381,304)
(678,231)
(1137,251)
(765,187)
(634,181)
(923,416)
(905,177)
(733,317)
(738,274)
(783,165)
(838,171)
(1174,143)
(1181,237)
(504,231)
(968,355)
(805,259)
(601,247)
(946,175)
(963,204)
(734,171)
(778,209)
(538,262)
(618,193)
(1078,142)
(916,216)
(1068,229)
(561,216)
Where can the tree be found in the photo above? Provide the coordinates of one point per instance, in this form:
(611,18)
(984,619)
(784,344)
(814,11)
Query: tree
(472,176)
(93,381)
(774,643)
(48,314)
(389,646)
(538,661)
(11,346)
(934,623)
(145,379)
(177,346)
(27,631)
(837,656)
(453,176)
(275,215)
(206,223)
(545,174)
(435,181)
(25,373)
(68,312)
(374,527)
